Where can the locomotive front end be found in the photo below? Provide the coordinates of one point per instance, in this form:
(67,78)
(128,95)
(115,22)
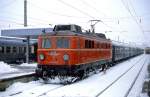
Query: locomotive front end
(55,57)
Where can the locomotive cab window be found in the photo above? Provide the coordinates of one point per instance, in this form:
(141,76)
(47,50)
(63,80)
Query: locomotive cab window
(46,43)
(62,42)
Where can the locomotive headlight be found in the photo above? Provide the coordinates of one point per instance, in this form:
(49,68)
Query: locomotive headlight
(41,56)
(66,57)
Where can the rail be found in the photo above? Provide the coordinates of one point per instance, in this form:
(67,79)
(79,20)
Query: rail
(127,93)
(101,92)
(6,82)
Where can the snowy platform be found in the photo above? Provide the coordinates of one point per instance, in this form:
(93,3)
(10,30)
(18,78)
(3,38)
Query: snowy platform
(11,74)
(8,72)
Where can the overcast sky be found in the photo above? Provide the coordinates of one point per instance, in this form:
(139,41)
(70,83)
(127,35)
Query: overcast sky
(123,20)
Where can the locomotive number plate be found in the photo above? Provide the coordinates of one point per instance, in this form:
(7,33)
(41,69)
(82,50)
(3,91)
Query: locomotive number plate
(53,53)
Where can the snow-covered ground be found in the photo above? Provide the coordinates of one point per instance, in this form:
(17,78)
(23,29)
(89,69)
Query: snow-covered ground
(90,86)
(5,68)
(29,65)
(31,89)
(8,71)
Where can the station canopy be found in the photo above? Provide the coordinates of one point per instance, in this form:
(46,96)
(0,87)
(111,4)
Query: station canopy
(25,32)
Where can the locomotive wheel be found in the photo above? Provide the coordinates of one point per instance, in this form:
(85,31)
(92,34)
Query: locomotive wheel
(82,74)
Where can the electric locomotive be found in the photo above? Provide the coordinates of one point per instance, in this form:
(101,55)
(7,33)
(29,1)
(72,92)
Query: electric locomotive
(67,51)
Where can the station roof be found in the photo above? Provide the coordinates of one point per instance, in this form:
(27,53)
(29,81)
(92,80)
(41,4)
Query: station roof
(24,32)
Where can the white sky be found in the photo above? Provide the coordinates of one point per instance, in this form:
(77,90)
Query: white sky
(45,12)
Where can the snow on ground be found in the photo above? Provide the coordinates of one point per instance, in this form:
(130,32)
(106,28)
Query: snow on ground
(90,86)
(28,65)
(31,89)
(18,87)
(5,68)
(7,71)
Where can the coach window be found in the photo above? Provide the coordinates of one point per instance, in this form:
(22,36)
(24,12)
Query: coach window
(24,50)
(62,42)
(89,44)
(8,49)
(102,45)
(86,44)
(46,43)
(92,44)
(106,46)
(78,44)
(97,45)
(1,49)
(14,49)
(20,49)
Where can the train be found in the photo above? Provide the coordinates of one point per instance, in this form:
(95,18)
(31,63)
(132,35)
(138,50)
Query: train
(14,50)
(68,51)
(147,50)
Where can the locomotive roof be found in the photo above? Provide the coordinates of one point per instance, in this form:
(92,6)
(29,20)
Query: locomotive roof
(75,30)
(70,33)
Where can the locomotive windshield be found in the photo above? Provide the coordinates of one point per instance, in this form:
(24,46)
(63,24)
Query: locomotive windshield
(62,42)
(46,43)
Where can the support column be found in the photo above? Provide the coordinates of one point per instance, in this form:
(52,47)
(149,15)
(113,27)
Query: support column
(25,13)
(27,49)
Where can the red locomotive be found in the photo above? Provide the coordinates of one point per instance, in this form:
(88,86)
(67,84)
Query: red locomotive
(69,52)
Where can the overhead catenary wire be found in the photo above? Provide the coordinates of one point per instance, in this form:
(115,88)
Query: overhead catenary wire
(128,9)
(88,5)
(95,9)
(14,22)
(75,8)
(83,12)
(69,5)
(136,15)
(54,13)
(16,19)
(8,18)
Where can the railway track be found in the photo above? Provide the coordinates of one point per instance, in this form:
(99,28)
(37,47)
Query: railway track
(7,80)
(133,83)
(117,79)
(34,92)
